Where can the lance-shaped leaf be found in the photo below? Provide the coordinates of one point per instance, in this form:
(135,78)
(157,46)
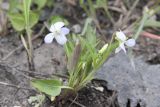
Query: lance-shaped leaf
(75,57)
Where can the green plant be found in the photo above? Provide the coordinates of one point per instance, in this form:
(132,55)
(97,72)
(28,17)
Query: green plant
(22,18)
(51,87)
(84,58)
(29,48)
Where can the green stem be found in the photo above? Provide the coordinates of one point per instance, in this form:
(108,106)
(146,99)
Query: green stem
(26,4)
(91,8)
(145,17)
(140,28)
(30,48)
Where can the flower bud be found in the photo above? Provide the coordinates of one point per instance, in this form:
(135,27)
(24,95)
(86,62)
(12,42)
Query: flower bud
(103,49)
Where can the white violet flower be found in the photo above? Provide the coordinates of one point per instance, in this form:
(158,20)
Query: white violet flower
(59,32)
(121,37)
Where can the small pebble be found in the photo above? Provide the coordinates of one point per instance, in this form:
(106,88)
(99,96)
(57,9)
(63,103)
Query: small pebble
(76,28)
(99,88)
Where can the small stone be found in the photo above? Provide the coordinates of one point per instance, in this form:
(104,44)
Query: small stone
(140,85)
(76,28)
(101,89)
(5,5)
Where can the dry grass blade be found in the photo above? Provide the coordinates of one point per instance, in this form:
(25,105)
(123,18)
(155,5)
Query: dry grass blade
(16,86)
(3,22)
(78,104)
(126,19)
(76,54)
(21,46)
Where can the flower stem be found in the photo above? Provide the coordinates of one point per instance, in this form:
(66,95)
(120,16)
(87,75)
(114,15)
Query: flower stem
(30,48)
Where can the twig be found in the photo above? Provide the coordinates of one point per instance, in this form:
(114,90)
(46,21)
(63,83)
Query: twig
(130,12)
(115,9)
(117,2)
(13,68)
(150,35)
(12,52)
(75,102)
(42,75)
(16,86)
(32,73)
(21,45)
(113,99)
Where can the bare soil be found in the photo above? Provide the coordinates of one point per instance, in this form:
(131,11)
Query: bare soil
(49,61)
(90,97)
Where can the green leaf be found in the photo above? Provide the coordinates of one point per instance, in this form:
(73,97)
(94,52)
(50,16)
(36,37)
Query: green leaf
(67,50)
(87,22)
(17,21)
(50,3)
(107,52)
(40,3)
(50,87)
(91,35)
(152,23)
(57,18)
(81,2)
(13,4)
(100,3)
(26,9)
(69,46)
(33,19)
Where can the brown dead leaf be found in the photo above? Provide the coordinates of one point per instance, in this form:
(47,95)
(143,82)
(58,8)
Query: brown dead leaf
(3,23)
